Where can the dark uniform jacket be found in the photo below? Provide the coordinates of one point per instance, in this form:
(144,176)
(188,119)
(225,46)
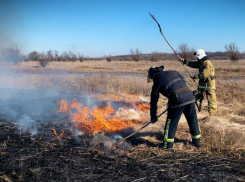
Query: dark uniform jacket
(172,85)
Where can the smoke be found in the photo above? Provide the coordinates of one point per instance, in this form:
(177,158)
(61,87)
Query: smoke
(117,137)
(25,105)
(30,98)
(5,40)
(27,100)
(27,124)
(12,54)
(127,113)
(10,26)
(28,106)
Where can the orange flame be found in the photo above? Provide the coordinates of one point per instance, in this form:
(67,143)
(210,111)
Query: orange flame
(141,107)
(105,118)
(60,135)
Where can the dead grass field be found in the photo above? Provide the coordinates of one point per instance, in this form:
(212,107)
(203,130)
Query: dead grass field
(66,76)
(223,136)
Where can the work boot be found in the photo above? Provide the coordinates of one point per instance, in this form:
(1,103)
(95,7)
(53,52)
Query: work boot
(197,142)
(168,147)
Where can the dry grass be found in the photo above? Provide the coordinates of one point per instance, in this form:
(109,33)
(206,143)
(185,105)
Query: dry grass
(221,158)
(225,133)
(97,66)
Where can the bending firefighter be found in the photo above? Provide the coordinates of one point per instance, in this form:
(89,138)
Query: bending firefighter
(172,85)
(206,83)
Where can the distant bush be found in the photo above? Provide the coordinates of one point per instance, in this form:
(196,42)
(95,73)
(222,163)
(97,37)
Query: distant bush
(109,58)
(33,56)
(43,62)
(70,56)
(243,55)
(80,57)
(50,55)
(136,55)
(43,59)
(233,52)
(155,56)
(185,51)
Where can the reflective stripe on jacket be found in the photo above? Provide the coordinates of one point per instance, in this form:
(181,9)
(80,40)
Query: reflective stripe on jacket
(172,85)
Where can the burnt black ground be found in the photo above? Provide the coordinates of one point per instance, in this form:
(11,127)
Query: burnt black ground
(45,158)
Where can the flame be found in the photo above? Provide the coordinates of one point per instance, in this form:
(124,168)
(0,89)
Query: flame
(63,106)
(141,107)
(60,135)
(105,118)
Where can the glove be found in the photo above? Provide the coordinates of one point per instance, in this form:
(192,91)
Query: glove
(181,60)
(154,119)
(195,92)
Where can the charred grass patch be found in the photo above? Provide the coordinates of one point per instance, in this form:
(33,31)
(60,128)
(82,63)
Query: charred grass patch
(71,158)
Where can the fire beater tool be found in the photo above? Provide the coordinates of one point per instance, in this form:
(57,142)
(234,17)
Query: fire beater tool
(160,29)
(145,125)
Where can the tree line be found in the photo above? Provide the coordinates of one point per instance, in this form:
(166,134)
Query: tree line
(13,54)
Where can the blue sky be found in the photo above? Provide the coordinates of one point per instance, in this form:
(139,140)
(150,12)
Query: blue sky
(111,27)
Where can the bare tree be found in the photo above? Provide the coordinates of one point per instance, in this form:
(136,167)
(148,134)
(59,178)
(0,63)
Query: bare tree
(72,56)
(136,55)
(56,55)
(43,60)
(233,51)
(64,56)
(50,55)
(185,51)
(109,58)
(155,56)
(243,55)
(33,56)
(80,57)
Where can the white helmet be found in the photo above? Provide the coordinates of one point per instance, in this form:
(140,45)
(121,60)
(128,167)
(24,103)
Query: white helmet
(199,53)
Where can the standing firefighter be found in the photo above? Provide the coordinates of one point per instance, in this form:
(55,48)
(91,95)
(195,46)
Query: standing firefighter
(172,85)
(206,83)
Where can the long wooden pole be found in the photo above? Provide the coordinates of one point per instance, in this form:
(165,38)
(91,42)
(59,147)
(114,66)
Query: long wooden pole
(160,29)
(141,127)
